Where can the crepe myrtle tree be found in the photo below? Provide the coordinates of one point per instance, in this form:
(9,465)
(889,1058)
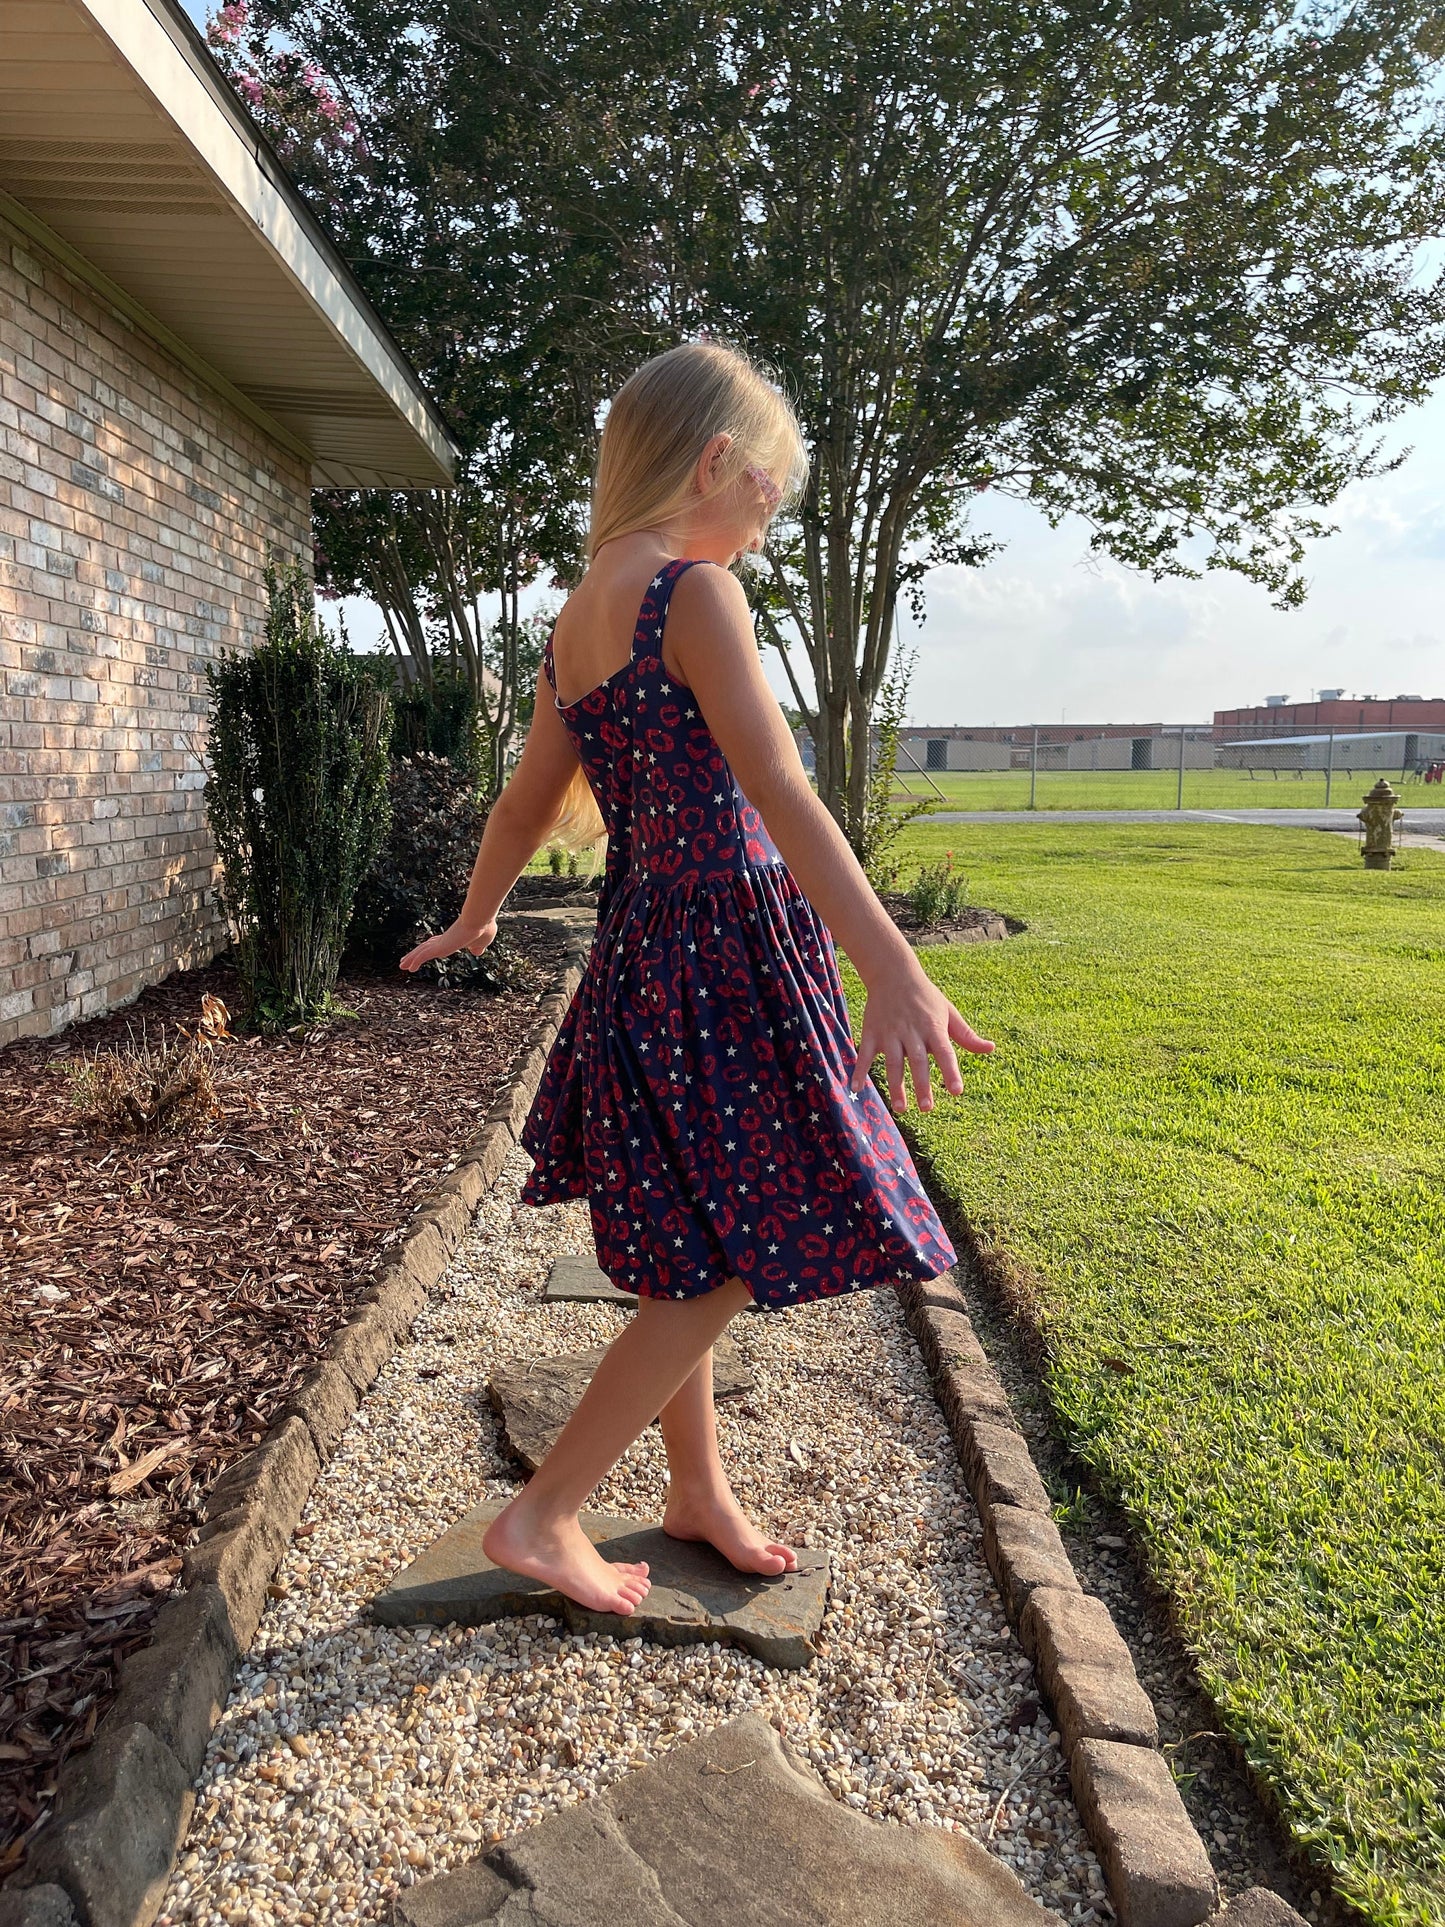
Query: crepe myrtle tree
(1154,266)
(419,183)
(447,568)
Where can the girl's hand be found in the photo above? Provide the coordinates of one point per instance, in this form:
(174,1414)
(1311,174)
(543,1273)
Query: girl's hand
(452,939)
(919,1023)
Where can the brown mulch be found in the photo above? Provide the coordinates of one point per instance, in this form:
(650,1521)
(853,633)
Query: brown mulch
(973,924)
(535,891)
(202,1275)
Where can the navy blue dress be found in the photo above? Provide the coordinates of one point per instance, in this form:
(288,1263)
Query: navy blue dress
(697,1092)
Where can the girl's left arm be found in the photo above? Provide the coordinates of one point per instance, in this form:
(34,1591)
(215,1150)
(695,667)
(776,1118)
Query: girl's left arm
(518,825)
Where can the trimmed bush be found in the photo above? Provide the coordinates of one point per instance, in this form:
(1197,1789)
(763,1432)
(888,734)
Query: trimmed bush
(418,883)
(297,802)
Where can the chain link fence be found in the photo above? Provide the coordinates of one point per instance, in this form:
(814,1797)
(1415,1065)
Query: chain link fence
(1165,766)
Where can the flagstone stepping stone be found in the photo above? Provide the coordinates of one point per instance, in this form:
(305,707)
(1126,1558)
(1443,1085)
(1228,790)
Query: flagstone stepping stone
(734,1830)
(582,1280)
(696,1594)
(535,1400)
(576,1278)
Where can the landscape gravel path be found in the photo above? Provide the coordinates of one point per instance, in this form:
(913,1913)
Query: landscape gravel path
(354,1759)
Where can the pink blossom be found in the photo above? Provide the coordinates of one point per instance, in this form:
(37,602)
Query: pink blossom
(251,91)
(229,23)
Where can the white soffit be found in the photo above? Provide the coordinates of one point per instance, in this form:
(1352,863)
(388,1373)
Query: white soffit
(119,137)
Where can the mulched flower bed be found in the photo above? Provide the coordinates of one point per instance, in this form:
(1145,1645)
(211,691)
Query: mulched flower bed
(161,1297)
(973,924)
(539,890)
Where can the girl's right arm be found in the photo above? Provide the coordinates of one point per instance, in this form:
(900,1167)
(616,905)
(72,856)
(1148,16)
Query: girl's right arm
(518,824)
(907,1019)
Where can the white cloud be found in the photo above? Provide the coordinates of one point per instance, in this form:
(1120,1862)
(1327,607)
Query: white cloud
(1041,631)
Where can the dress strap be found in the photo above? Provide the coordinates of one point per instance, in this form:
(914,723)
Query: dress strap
(647,637)
(548,668)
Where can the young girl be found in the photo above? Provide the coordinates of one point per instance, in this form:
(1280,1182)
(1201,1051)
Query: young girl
(704,1093)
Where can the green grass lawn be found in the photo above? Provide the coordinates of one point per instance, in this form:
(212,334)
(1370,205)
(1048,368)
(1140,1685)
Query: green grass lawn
(1214,1134)
(1123,789)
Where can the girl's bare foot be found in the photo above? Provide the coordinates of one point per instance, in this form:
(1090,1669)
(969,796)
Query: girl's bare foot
(561,1555)
(721,1522)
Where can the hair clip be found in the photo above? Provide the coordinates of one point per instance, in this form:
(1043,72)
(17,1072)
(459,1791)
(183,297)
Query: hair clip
(772,494)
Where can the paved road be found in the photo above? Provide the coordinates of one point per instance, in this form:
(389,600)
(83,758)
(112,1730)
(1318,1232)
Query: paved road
(1422,822)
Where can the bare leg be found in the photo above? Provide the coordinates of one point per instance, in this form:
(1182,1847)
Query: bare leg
(700,1502)
(538,1533)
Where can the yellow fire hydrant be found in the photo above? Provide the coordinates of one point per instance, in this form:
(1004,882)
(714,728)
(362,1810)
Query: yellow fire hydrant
(1379,817)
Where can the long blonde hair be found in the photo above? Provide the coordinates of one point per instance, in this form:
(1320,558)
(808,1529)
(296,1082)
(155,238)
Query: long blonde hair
(660,421)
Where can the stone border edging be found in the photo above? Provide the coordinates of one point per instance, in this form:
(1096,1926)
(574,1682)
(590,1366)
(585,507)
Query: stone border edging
(124,1803)
(1158,1872)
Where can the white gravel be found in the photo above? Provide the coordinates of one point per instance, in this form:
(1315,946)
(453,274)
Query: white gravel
(354,1759)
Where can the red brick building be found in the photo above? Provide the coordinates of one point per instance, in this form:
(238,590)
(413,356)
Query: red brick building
(183,356)
(1339,712)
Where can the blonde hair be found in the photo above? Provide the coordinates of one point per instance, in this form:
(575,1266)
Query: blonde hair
(661,419)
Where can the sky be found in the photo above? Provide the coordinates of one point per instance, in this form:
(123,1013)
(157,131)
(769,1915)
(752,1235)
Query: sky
(1048,630)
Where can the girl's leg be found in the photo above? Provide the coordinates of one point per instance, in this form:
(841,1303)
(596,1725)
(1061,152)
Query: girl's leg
(700,1501)
(538,1533)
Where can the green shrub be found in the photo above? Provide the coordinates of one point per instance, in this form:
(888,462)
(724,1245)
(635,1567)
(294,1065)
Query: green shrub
(296,798)
(937,894)
(418,882)
(440,720)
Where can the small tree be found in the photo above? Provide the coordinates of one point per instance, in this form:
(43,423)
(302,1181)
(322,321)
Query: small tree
(880,825)
(296,798)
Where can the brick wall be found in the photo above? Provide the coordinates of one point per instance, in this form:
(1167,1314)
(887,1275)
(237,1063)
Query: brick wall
(137,508)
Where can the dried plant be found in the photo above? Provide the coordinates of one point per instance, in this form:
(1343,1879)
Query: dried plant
(141,1088)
